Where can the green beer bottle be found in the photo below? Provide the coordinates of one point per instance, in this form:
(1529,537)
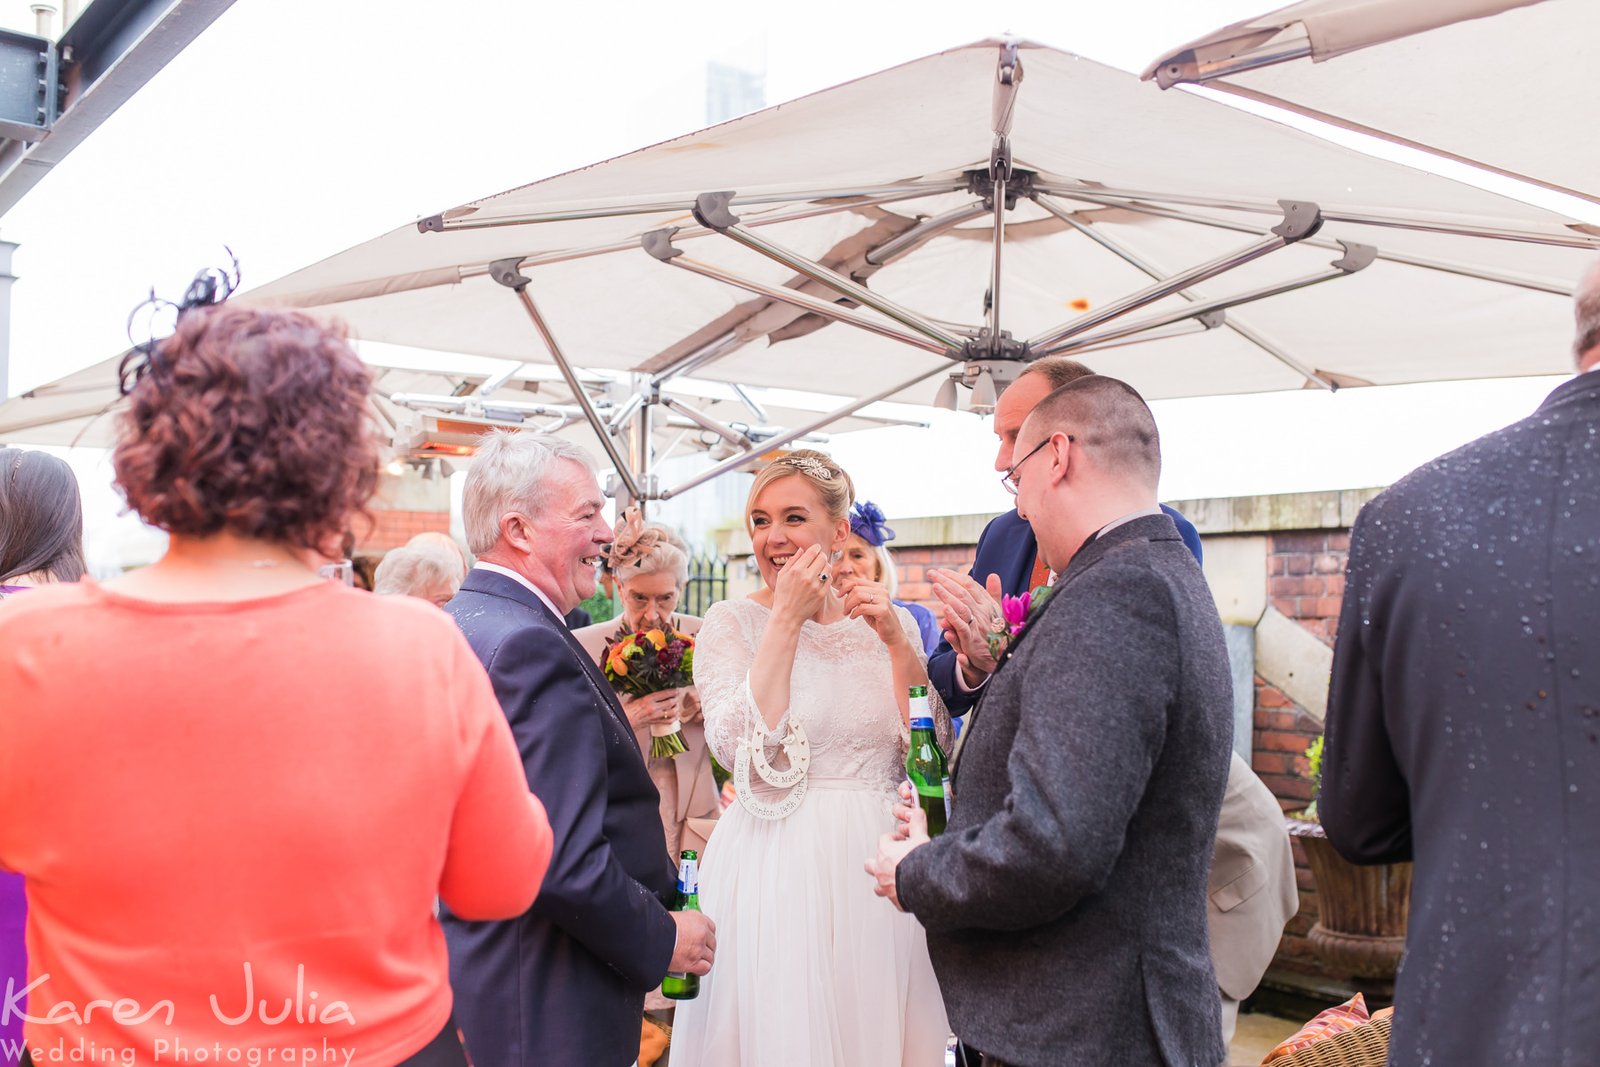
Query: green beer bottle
(925,764)
(685,986)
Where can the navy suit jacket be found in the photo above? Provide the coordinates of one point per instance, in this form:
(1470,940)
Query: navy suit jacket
(1008,548)
(565,982)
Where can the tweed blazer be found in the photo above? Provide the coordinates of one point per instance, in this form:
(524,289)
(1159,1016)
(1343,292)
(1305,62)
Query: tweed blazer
(1066,902)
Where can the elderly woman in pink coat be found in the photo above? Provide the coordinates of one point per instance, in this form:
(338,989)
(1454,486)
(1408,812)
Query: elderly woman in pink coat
(651,568)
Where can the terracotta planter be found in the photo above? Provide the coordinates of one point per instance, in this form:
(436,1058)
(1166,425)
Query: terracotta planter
(1361,929)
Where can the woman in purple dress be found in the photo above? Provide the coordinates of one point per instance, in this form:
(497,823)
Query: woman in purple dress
(41,540)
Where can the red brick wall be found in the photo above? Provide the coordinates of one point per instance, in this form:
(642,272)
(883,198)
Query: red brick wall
(1305,581)
(394,528)
(912,564)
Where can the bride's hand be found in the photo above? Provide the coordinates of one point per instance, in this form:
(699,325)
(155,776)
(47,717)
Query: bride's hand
(801,587)
(870,601)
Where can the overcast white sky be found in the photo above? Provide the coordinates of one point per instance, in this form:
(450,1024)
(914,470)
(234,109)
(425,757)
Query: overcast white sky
(295,128)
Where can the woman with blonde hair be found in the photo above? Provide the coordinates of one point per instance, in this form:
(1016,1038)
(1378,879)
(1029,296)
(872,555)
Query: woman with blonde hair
(651,569)
(805,685)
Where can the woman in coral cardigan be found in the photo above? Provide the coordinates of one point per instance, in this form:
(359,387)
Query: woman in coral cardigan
(234,788)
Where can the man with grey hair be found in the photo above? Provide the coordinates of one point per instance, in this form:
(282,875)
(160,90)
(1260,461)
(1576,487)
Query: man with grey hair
(564,983)
(1463,729)
(426,571)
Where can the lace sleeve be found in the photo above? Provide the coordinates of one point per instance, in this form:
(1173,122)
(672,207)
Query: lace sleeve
(724,650)
(942,729)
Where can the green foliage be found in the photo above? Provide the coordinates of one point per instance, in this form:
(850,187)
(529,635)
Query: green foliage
(600,607)
(1314,772)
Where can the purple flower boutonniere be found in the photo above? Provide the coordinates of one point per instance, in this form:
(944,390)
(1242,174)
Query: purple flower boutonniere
(1016,612)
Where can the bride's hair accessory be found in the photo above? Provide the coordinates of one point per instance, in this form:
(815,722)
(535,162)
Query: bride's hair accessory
(867,522)
(810,465)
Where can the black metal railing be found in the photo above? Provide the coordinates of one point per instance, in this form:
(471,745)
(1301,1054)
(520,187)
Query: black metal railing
(708,583)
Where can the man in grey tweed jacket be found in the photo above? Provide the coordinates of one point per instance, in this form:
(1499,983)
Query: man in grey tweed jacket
(1066,902)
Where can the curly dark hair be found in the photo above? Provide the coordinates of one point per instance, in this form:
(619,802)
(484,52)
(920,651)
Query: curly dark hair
(253,421)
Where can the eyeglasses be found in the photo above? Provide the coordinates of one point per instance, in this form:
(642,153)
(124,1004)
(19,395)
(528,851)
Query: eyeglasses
(1009,478)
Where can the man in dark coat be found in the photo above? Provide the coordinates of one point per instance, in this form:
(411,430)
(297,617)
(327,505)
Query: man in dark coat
(1065,904)
(1252,891)
(565,982)
(1463,731)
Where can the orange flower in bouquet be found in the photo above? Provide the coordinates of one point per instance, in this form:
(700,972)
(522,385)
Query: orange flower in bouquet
(647,661)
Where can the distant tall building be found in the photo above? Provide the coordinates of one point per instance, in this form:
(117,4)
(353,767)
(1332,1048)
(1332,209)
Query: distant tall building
(732,91)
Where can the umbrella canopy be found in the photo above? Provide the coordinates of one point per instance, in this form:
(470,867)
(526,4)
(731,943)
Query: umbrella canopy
(1506,93)
(961,215)
(81,408)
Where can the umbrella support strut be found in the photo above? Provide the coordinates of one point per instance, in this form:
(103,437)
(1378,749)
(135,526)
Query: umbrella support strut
(505,272)
(1554,288)
(659,244)
(843,411)
(1140,264)
(1356,258)
(711,210)
(1301,219)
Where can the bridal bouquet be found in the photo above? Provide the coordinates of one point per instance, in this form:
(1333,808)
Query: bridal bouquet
(648,661)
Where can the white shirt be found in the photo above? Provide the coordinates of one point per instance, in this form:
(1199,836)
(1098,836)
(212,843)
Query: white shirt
(514,576)
(1129,517)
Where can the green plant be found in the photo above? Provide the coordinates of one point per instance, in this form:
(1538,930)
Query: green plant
(1313,772)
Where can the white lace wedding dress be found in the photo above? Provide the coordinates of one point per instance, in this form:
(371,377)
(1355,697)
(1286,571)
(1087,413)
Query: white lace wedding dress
(812,968)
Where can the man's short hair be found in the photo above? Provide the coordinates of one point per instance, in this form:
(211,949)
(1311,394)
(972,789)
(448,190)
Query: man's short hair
(1108,418)
(412,570)
(511,472)
(1586,308)
(1057,370)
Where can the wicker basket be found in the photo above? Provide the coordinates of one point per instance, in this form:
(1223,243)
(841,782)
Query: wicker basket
(1365,1046)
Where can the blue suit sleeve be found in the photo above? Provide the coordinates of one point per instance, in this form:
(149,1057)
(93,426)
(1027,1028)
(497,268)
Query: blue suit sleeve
(561,738)
(942,664)
(1186,530)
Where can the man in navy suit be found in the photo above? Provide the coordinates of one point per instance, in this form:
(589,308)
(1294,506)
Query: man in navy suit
(565,982)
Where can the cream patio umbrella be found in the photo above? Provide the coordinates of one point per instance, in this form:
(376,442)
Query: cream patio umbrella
(433,405)
(1500,84)
(953,218)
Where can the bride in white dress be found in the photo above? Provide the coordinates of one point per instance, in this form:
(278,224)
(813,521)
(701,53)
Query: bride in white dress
(807,690)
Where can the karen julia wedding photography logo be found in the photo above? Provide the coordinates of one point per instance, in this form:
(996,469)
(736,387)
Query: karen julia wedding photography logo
(245,1007)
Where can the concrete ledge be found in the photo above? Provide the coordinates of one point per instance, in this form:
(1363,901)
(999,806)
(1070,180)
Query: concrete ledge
(1333,510)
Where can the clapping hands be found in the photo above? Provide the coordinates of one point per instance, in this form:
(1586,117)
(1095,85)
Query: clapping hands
(970,613)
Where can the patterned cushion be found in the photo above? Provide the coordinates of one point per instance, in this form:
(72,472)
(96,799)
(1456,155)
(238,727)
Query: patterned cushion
(1347,1016)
